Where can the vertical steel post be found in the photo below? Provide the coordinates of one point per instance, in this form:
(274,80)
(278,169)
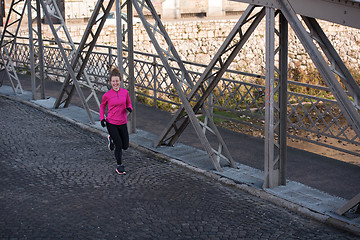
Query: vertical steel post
(275,101)
(283,81)
(270,175)
(154,64)
(119,38)
(31,51)
(40,51)
(210,99)
(131,78)
(110,62)
(2,13)
(36,56)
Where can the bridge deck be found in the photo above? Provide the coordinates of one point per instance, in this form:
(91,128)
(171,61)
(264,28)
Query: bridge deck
(315,182)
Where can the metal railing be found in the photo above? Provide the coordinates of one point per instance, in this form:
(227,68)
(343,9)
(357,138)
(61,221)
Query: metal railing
(239,97)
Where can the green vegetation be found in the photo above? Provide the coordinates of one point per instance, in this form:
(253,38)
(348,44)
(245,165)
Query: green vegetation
(313,77)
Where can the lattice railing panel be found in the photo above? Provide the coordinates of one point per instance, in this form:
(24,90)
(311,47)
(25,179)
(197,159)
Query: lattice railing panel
(145,74)
(319,116)
(246,98)
(53,62)
(21,54)
(98,64)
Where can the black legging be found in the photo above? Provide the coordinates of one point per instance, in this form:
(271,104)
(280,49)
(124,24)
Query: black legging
(120,137)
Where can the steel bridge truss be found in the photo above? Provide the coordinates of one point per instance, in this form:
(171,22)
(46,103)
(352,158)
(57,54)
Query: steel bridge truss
(348,108)
(76,67)
(51,11)
(67,43)
(328,70)
(80,56)
(75,60)
(187,92)
(8,42)
(276,96)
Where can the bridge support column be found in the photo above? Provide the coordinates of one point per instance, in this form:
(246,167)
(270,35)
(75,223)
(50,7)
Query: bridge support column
(275,101)
(36,54)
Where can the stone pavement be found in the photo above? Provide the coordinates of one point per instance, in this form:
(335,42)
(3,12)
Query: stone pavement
(72,166)
(58,182)
(325,174)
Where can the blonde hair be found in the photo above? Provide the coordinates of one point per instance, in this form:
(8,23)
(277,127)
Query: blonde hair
(114,72)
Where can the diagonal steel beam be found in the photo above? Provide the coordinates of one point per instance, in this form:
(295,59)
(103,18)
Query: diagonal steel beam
(87,44)
(8,41)
(8,38)
(224,58)
(346,106)
(182,82)
(10,71)
(158,28)
(66,60)
(349,205)
(79,61)
(338,67)
(57,15)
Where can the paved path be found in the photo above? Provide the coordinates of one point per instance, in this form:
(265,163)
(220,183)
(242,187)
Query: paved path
(57,181)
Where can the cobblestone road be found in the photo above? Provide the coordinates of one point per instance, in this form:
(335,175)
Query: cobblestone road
(58,181)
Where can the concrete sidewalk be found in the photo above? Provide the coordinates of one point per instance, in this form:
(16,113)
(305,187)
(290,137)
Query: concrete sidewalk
(299,197)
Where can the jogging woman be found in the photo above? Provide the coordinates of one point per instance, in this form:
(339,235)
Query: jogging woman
(118,102)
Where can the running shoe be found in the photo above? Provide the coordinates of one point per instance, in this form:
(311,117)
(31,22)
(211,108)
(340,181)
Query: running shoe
(120,169)
(111,144)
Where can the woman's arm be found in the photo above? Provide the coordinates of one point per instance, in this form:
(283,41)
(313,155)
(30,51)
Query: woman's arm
(128,102)
(103,107)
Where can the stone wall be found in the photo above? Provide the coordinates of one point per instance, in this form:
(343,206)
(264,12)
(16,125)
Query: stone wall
(198,41)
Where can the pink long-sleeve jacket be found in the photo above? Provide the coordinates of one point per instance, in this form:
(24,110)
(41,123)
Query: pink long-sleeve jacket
(117,102)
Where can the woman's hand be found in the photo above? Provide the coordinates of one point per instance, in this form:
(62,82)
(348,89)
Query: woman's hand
(103,123)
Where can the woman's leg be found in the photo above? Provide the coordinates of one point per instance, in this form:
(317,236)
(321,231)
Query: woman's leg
(114,132)
(124,134)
